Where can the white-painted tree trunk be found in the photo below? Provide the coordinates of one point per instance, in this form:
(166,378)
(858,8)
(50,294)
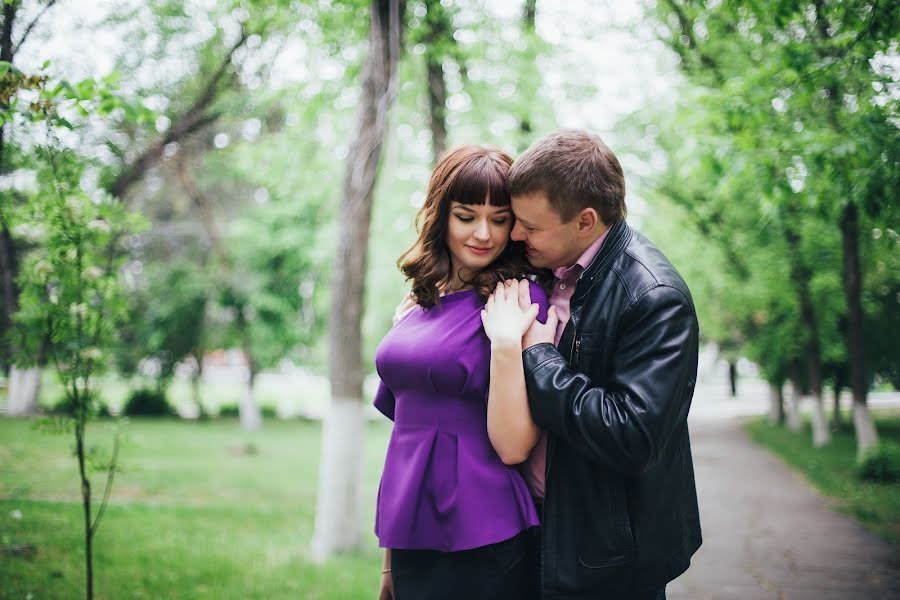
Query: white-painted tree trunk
(22,396)
(250,415)
(821,432)
(776,405)
(794,422)
(339,501)
(866,436)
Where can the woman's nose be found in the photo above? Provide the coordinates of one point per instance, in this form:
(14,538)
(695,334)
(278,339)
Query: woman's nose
(482,231)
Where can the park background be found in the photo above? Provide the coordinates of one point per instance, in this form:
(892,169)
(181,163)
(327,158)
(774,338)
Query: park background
(185,184)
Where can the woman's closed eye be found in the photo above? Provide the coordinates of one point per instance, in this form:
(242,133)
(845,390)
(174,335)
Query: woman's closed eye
(498,221)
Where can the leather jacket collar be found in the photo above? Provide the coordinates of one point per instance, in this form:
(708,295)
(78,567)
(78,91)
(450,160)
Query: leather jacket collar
(618,237)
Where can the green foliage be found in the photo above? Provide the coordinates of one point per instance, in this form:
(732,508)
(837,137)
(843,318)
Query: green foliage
(782,121)
(147,402)
(881,463)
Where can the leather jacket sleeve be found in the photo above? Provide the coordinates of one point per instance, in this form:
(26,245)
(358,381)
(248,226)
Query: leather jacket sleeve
(624,420)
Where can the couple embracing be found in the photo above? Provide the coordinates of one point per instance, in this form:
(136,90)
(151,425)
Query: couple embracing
(539,377)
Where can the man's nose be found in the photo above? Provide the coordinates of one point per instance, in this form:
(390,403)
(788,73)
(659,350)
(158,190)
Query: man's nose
(518,233)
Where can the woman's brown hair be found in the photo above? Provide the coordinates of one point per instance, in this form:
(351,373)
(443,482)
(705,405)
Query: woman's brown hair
(468,175)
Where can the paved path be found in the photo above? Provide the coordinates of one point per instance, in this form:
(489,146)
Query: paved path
(767,533)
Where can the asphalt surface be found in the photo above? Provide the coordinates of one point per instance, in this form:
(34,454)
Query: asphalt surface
(767,533)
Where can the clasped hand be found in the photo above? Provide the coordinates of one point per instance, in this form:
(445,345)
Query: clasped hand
(509,317)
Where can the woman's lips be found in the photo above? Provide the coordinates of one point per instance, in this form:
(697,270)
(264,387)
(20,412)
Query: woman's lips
(478,251)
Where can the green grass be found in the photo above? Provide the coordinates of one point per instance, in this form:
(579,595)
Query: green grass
(833,471)
(200,510)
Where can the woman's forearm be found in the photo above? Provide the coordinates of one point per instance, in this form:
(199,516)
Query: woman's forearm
(511,429)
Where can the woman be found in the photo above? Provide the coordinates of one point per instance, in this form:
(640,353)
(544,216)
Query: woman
(452,510)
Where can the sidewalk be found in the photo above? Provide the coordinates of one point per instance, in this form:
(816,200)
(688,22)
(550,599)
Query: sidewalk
(767,533)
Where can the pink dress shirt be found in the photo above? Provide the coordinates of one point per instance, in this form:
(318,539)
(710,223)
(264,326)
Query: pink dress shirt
(534,467)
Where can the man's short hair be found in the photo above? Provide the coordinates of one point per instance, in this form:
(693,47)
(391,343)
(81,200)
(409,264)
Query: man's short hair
(576,170)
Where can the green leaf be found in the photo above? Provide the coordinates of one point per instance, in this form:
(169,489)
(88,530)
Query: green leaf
(112,79)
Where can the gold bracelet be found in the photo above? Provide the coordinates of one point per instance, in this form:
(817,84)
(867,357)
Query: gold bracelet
(388,570)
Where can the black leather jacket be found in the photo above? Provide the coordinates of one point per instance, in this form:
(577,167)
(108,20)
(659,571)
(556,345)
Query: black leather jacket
(620,509)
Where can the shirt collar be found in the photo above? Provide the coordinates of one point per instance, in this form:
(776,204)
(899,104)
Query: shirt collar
(584,260)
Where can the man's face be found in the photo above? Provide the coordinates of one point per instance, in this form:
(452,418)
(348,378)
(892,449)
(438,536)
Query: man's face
(551,243)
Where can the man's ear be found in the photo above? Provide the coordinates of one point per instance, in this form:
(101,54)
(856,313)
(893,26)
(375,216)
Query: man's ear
(587,220)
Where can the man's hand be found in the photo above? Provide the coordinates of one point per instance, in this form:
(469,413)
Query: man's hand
(404,307)
(540,333)
(508,312)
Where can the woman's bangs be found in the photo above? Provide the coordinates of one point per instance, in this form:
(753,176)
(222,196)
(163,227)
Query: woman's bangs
(479,180)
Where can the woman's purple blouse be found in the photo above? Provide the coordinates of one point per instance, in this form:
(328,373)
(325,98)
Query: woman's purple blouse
(443,485)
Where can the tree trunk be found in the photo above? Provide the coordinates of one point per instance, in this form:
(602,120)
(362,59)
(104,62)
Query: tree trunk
(196,381)
(866,436)
(8,259)
(836,421)
(794,421)
(821,432)
(248,409)
(529,13)
(23,390)
(732,377)
(801,275)
(338,511)
(436,40)
(437,106)
(776,404)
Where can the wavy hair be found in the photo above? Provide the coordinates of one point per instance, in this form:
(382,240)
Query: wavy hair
(469,175)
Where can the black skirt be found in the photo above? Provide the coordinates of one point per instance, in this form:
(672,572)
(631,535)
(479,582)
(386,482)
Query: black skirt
(500,571)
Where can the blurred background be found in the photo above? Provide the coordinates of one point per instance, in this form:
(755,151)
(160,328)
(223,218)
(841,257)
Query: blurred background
(203,201)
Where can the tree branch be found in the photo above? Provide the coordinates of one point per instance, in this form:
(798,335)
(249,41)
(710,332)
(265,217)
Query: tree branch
(191,121)
(687,29)
(28,29)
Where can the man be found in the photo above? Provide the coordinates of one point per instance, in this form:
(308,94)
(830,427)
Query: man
(609,377)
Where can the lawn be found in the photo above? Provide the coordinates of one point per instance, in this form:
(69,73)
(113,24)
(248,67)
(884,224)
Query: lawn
(200,510)
(832,470)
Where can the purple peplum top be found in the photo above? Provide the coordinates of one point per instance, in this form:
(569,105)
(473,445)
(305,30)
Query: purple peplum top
(443,486)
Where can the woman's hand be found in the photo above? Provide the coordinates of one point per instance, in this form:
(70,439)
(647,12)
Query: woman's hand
(386,592)
(509,313)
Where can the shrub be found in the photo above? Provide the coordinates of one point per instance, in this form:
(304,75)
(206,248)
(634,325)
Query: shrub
(65,406)
(268,412)
(881,463)
(229,410)
(147,402)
